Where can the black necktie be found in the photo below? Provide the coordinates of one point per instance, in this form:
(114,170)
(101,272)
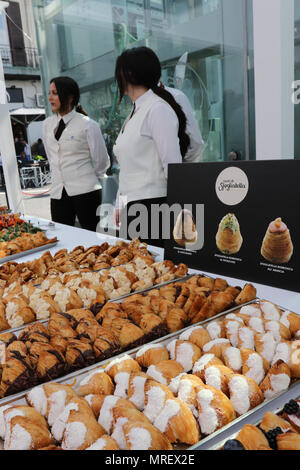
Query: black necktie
(132,112)
(60,129)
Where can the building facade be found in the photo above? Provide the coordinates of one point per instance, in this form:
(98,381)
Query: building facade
(18,48)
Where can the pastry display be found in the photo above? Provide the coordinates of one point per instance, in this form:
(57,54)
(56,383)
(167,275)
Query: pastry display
(184,232)
(275,432)
(277,246)
(229,239)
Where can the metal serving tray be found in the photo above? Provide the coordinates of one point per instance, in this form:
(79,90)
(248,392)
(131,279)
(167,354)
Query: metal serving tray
(163,339)
(274,406)
(27,252)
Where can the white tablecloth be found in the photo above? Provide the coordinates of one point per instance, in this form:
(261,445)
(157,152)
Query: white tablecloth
(69,237)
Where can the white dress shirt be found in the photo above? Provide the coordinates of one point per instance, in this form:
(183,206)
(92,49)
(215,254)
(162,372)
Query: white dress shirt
(78,158)
(160,125)
(192,129)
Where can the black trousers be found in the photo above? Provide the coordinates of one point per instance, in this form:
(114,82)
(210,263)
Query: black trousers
(84,206)
(148,230)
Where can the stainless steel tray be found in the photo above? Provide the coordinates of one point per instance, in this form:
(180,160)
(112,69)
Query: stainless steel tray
(274,406)
(27,252)
(163,339)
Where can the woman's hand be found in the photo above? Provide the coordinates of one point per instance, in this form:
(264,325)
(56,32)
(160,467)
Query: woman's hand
(117,217)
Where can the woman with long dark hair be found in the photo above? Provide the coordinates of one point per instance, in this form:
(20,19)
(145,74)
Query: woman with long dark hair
(77,155)
(153,135)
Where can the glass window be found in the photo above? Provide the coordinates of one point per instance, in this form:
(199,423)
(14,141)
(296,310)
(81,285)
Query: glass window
(205,47)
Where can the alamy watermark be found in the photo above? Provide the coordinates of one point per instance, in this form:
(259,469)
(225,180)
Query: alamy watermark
(296,94)
(134,223)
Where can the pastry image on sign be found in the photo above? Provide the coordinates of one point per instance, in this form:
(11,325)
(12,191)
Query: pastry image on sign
(229,239)
(277,246)
(185,233)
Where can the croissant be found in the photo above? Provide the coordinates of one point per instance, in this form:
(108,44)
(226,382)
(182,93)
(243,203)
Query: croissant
(155,397)
(184,352)
(136,389)
(110,407)
(291,321)
(246,337)
(144,436)
(278,330)
(247,294)
(79,354)
(168,292)
(35,332)
(105,442)
(288,441)
(122,364)
(254,365)
(4,325)
(59,343)
(50,399)
(216,329)
(58,324)
(271,421)
(165,371)
(183,296)
(277,380)
(232,357)
(207,310)
(26,434)
(245,394)
(17,375)
(43,305)
(231,331)
(128,334)
(269,310)
(251,310)
(188,386)
(216,346)
(205,361)
(252,438)
(18,312)
(151,354)
(7,338)
(215,409)
(177,422)
(265,345)
(106,346)
(67,299)
(96,382)
(222,300)
(81,429)
(196,335)
(256,324)
(220,284)
(176,319)
(217,376)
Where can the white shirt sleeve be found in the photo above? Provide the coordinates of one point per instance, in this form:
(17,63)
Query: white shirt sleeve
(162,126)
(98,150)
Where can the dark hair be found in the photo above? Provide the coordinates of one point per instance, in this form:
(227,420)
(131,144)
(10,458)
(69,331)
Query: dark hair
(141,66)
(67,87)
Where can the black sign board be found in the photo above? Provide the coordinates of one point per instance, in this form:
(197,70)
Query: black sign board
(240,219)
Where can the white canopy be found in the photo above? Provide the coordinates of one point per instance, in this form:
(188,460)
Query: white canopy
(27,111)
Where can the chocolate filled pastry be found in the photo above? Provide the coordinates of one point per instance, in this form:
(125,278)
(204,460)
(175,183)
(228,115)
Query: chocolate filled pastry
(48,361)
(7,338)
(151,354)
(207,310)
(184,352)
(59,343)
(105,345)
(277,246)
(35,332)
(59,324)
(184,232)
(176,319)
(229,239)
(96,382)
(79,354)
(128,334)
(17,350)
(17,375)
(152,326)
(77,314)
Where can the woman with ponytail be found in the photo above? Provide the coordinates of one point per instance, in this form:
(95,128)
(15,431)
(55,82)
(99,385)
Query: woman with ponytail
(77,155)
(153,135)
